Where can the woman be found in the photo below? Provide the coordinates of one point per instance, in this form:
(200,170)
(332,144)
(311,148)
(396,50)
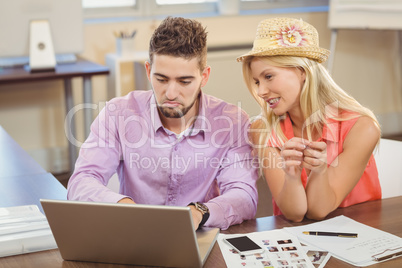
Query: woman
(314,141)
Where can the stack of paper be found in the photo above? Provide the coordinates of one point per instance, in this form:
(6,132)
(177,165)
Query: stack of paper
(24,229)
(370,247)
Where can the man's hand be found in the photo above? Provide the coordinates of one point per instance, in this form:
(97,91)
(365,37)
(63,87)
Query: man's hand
(126,200)
(197,217)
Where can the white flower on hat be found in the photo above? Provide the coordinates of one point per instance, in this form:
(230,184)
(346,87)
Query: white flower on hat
(291,36)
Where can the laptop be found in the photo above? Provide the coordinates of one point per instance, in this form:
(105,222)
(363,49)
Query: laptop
(149,235)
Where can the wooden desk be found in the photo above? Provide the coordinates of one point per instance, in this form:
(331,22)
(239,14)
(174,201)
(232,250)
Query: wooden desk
(81,68)
(30,183)
(382,214)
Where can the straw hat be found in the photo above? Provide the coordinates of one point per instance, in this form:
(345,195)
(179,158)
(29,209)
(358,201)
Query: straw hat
(287,37)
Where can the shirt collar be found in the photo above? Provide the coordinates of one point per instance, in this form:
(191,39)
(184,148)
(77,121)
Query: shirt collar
(287,127)
(330,130)
(199,125)
(155,118)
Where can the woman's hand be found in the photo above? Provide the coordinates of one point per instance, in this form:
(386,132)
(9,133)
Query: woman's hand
(315,157)
(293,156)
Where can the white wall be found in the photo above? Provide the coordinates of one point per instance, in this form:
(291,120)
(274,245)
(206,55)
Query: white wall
(366,65)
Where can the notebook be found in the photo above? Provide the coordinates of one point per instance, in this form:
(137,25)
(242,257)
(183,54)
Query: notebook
(148,235)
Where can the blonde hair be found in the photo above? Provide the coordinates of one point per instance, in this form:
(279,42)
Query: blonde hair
(320,99)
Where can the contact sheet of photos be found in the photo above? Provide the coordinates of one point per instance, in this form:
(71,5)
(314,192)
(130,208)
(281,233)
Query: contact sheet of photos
(281,249)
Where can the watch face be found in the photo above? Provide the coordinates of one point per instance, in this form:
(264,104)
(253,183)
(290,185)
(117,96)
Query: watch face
(203,208)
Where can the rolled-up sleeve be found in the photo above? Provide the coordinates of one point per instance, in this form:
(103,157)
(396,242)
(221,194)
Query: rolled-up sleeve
(237,184)
(98,160)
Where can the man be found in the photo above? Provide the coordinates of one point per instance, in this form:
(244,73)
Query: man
(173,145)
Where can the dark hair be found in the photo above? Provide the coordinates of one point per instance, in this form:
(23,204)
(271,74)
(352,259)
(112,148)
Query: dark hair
(180,37)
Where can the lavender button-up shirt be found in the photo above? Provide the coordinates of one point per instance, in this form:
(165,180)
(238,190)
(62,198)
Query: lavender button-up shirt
(210,162)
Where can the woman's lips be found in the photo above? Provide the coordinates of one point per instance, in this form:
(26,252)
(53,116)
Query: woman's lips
(273,102)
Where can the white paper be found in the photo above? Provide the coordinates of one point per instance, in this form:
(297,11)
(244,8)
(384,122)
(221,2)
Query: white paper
(317,256)
(281,250)
(357,251)
(24,229)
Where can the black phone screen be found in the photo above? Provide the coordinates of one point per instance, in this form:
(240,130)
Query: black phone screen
(243,243)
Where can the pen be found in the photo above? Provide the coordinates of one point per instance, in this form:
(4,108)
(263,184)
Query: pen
(351,235)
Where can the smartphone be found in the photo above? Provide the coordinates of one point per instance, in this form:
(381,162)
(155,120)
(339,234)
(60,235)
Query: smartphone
(244,245)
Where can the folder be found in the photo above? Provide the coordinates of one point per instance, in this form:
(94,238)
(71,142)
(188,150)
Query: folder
(370,247)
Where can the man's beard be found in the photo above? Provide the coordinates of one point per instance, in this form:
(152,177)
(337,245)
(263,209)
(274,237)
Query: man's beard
(176,112)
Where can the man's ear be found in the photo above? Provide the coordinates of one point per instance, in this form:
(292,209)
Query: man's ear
(205,75)
(148,68)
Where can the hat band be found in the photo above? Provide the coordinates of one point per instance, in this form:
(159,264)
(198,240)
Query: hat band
(262,44)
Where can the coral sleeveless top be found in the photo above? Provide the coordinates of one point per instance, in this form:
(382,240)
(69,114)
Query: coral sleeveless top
(333,134)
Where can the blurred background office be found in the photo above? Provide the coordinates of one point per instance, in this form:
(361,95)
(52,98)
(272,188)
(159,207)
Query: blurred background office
(367,64)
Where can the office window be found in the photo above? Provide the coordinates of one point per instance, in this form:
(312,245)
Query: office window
(146,8)
(131,3)
(177,7)
(107,3)
(174,2)
(272,4)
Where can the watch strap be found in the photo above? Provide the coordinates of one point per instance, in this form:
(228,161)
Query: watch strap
(203,209)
